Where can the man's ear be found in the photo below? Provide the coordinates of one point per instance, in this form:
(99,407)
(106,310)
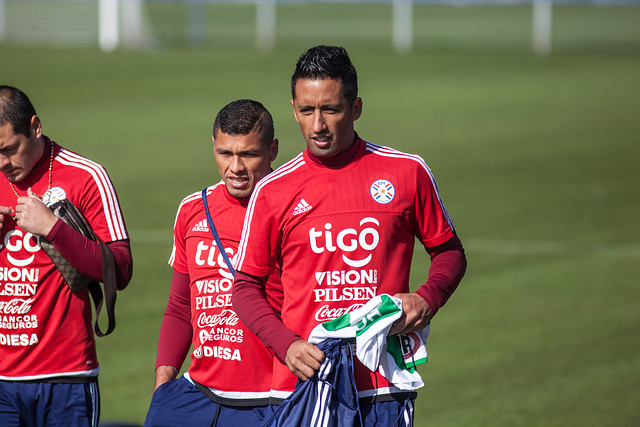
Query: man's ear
(295,114)
(356,109)
(273,150)
(35,126)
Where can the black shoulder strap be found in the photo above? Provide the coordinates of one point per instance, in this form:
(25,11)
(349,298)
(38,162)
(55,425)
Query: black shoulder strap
(215,233)
(110,291)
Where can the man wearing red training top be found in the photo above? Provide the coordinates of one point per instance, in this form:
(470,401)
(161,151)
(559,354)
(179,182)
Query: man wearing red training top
(229,379)
(48,363)
(341,219)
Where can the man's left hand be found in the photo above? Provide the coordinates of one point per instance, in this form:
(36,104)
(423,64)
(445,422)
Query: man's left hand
(33,216)
(416,314)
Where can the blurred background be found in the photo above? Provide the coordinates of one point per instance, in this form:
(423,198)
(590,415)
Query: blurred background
(526,112)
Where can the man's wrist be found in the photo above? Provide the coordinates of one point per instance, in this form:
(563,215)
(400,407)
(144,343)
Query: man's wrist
(166,373)
(281,348)
(423,292)
(55,228)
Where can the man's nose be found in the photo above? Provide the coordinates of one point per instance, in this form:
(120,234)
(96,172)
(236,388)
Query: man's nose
(319,123)
(4,161)
(236,164)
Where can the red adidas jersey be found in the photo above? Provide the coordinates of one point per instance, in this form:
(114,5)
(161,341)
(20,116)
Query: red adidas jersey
(343,233)
(45,329)
(228,358)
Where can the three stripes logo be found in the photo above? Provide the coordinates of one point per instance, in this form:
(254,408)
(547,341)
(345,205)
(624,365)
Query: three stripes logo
(201,226)
(302,207)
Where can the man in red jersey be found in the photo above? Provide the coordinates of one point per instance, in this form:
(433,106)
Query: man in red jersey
(48,363)
(229,379)
(341,219)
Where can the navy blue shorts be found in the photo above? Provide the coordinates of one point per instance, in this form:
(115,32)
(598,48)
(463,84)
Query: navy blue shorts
(393,413)
(36,404)
(180,403)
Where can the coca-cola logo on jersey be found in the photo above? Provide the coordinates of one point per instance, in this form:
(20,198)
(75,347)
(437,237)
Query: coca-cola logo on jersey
(207,253)
(327,312)
(16,306)
(225,317)
(15,241)
(348,241)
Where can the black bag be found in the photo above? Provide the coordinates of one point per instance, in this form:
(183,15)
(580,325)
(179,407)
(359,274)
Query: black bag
(66,211)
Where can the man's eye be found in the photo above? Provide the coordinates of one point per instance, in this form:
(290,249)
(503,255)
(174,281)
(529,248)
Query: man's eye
(8,150)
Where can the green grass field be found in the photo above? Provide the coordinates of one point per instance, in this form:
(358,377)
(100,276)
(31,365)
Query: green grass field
(536,159)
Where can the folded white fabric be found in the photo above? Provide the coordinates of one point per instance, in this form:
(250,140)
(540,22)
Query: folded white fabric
(396,356)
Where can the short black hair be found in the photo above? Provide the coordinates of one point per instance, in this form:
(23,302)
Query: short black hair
(327,62)
(16,108)
(244,116)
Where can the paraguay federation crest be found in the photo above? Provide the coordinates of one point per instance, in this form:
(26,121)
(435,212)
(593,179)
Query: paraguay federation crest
(53,195)
(382,191)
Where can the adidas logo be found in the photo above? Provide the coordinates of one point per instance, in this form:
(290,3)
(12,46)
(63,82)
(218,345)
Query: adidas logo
(201,226)
(302,207)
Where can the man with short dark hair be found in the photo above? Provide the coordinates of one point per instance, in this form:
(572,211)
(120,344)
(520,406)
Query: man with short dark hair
(341,219)
(229,380)
(48,363)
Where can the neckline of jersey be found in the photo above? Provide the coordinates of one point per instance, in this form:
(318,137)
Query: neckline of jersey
(244,202)
(341,161)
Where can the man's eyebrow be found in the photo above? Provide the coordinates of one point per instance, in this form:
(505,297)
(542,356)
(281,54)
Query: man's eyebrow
(247,151)
(321,105)
(252,151)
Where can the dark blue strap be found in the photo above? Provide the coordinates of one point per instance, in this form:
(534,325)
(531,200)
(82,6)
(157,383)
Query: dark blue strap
(215,233)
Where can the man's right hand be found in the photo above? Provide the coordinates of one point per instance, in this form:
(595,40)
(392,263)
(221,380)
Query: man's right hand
(303,359)
(165,373)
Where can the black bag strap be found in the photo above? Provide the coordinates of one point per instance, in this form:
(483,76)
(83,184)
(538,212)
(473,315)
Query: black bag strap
(215,233)
(110,290)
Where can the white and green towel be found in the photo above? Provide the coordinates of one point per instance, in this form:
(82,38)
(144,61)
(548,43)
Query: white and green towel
(396,356)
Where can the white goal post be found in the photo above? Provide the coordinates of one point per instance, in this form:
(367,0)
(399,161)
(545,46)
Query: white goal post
(542,17)
(121,22)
